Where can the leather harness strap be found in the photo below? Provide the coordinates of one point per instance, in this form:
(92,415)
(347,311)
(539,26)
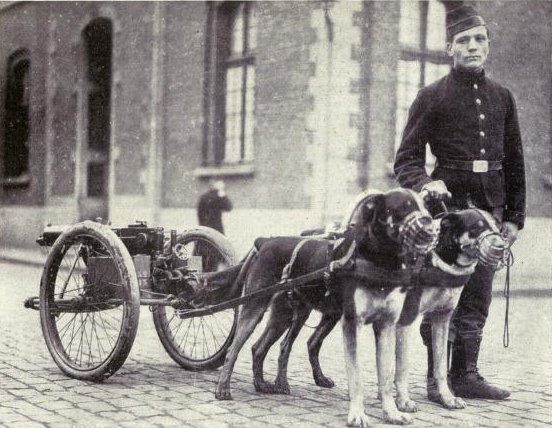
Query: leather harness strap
(287,268)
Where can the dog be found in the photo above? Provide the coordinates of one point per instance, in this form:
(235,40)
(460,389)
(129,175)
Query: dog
(466,238)
(450,265)
(379,238)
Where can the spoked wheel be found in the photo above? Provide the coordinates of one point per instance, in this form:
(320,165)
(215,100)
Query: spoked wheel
(89,302)
(199,343)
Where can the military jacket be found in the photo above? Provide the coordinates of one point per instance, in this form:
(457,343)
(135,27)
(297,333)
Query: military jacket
(466,117)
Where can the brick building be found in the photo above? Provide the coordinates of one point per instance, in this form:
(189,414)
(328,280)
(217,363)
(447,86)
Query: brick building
(124,109)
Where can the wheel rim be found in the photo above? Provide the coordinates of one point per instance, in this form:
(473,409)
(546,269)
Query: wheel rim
(199,339)
(85,307)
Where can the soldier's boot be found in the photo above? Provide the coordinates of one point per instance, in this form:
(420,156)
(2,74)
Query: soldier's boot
(465,379)
(431,385)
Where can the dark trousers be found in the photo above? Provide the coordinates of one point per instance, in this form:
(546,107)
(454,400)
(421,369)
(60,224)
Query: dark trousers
(472,310)
(473,306)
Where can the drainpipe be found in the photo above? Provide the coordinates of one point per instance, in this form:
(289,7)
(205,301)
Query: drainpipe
(327,5)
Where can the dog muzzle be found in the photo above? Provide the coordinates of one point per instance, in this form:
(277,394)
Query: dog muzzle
(490,249)
(416,234)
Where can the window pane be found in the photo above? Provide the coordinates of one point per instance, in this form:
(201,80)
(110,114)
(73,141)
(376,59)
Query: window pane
(409,27)
(434,72)
(252,28)
(408,75)
(436,26)
(249,114)
(408,84)
(234,79)
(236,41)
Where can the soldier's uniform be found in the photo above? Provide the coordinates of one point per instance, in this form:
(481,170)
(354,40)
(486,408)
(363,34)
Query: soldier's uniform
(470,122)
(471,125)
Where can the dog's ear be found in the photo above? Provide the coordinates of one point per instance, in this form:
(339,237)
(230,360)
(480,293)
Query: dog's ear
(367,215)
(449,222)
(371,207)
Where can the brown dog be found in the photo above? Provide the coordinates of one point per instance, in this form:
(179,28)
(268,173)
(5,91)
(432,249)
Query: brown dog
(379,237)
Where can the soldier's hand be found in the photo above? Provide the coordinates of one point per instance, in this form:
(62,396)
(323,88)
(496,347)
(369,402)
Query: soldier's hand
(437,190)
(509,231)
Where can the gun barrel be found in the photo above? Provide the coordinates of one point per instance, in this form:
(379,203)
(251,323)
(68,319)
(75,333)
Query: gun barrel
(50,234)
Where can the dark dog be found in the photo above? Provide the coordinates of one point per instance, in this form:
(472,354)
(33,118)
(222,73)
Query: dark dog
(384,219)
(466,238)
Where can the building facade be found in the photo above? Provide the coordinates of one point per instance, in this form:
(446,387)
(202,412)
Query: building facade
(124,110)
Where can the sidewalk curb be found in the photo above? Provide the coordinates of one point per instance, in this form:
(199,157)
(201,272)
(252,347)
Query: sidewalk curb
(37,259)
(29,258)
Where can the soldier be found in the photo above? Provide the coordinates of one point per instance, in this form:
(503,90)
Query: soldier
(471,125)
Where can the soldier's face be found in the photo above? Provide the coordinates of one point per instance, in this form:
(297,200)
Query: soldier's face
(469,49)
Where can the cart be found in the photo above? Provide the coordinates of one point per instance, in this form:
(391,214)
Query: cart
(95,279)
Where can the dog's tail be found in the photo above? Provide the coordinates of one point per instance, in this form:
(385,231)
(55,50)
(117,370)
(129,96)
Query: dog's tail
(237,286)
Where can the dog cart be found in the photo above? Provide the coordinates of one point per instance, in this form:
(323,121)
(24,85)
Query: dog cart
(96,278)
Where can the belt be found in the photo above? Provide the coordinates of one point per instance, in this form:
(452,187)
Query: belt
(474,166)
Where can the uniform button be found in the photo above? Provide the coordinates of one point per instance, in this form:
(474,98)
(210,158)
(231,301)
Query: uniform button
(482,151)
(478,101)
(475,86)
(482,116)
(481,133)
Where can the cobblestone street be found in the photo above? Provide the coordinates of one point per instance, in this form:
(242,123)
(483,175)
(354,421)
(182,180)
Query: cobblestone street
(151,390)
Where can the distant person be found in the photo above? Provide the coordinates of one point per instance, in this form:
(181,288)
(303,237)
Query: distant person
(212,204)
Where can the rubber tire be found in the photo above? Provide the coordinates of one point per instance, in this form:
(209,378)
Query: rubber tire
(131,296)
(216,360)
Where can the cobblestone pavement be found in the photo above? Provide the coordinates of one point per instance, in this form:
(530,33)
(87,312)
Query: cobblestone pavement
(151,390)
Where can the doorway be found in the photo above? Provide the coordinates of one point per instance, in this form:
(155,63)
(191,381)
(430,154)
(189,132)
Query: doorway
(93,198)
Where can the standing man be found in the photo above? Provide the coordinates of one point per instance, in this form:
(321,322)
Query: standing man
(212,204)
(471,125)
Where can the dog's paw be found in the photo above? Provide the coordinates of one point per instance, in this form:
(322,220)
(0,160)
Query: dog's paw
(357,419)
(397,418)
(406,405)
(453,403)
(272,388)
(223,394)
(324,382)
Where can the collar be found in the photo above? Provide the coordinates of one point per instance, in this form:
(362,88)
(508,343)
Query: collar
(468,77)
(454,270)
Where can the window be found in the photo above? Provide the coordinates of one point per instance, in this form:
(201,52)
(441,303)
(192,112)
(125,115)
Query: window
(235,84)
(16,120)
(422,35)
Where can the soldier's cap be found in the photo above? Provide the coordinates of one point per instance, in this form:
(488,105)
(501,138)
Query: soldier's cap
(461,19)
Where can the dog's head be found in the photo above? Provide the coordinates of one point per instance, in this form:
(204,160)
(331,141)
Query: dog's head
(470,236)
(394,224)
